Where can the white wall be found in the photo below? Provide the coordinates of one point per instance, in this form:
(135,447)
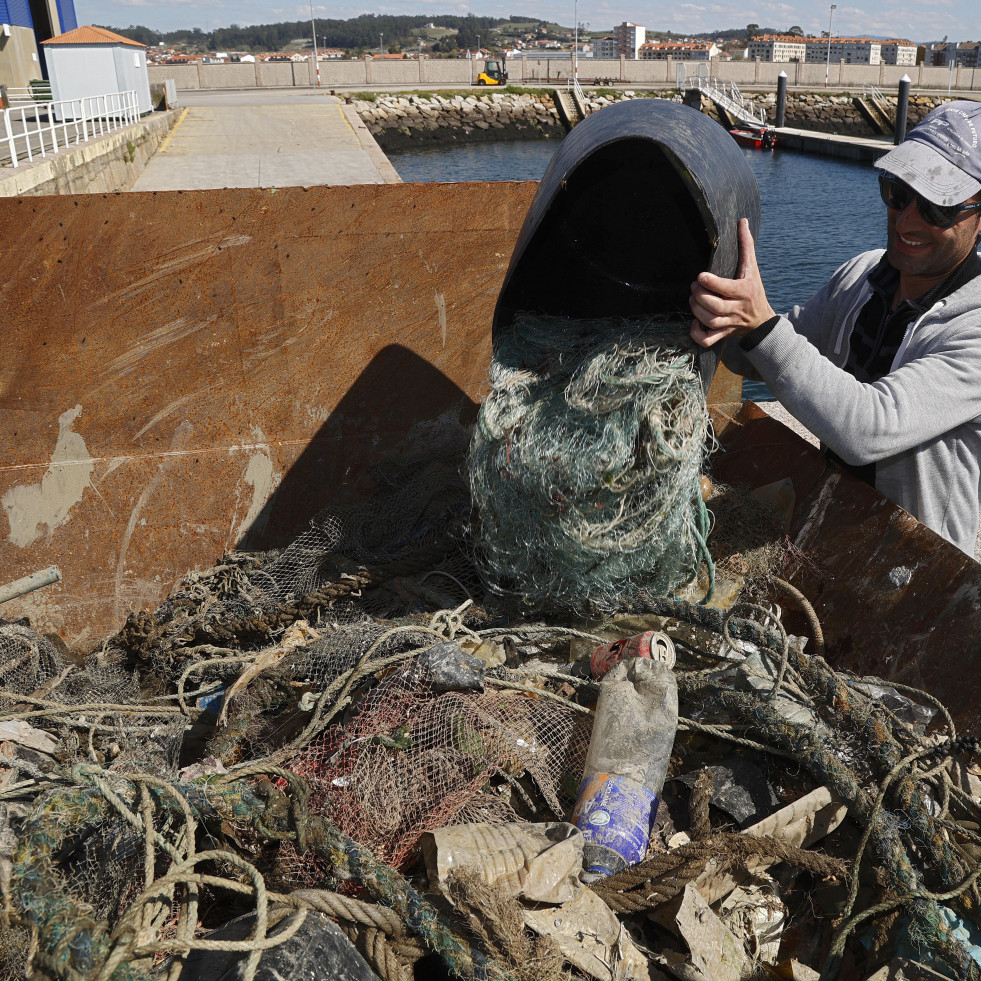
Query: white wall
(131,73)
(79,71)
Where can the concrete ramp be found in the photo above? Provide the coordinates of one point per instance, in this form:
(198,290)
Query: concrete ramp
(276,143)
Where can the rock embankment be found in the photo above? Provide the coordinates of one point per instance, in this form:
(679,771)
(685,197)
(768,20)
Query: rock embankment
(410,121)
(838,114)
(401,122)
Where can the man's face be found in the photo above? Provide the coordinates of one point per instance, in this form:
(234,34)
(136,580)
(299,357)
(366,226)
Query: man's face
(923,251)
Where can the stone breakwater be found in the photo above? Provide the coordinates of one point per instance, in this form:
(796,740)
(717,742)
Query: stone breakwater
(401,122)
(398,123)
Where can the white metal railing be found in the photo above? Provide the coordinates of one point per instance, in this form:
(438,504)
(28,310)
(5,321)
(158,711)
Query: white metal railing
(726,95)
(37,129)
(869,91)
(39,91)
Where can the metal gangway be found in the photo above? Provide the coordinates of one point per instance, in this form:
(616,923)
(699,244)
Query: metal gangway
(725,95)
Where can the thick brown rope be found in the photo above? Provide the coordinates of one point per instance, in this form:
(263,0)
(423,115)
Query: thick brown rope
(661,877)
(390,960)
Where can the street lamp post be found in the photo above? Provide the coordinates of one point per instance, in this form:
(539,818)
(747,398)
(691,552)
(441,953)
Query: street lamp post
(381,50)
(316,62)
(575,44)
(827,61)
(477,55)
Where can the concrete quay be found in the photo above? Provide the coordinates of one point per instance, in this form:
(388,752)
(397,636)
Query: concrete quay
(283,138)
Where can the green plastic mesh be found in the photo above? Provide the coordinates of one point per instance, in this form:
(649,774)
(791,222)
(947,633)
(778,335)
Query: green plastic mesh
(586,461)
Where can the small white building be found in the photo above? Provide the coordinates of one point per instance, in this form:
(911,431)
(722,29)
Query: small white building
(92,61)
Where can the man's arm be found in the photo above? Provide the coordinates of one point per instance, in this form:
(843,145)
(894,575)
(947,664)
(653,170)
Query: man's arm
(862,423)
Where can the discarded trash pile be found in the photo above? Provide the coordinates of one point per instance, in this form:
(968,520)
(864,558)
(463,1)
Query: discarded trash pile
(337,733)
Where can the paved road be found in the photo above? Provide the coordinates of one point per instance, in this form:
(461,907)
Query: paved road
(277,138)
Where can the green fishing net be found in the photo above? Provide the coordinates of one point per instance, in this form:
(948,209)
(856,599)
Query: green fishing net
(586,461)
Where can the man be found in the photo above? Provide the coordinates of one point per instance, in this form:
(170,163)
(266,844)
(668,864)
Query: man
(883,364)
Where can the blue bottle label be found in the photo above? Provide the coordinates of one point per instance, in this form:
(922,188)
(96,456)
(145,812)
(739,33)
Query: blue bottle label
(616,812)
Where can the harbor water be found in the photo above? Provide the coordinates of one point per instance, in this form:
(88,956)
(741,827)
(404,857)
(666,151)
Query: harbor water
(817,211)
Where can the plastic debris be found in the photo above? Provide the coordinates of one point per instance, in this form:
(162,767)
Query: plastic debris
(537,862)
(628,756)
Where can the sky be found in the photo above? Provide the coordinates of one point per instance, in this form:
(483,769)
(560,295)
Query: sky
(914,20)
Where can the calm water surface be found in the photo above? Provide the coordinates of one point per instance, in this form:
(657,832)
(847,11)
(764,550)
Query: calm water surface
(817,212)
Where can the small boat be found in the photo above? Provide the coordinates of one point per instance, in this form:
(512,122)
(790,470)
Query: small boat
(756,139)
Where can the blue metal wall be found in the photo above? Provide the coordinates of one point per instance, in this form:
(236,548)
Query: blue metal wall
(66,14)
(17,13)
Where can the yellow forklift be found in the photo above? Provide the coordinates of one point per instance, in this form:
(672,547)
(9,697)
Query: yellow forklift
(494,73)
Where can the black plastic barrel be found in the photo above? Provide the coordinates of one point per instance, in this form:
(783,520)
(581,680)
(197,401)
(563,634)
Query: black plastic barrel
(639,198)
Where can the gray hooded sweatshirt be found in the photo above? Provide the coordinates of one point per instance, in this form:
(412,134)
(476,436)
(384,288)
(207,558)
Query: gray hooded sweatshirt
(920,423)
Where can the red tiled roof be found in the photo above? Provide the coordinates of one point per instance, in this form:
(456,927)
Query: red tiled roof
(92,35)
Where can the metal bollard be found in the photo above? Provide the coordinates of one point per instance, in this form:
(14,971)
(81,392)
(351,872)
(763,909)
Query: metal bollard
(781,99)
(902,105)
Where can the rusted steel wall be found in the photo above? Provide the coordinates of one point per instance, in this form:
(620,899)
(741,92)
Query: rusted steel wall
(182,373)
(893,598)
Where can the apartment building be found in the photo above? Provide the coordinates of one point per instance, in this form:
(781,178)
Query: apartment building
(678,50)
(850,50)
(606,47)
(777,47)
(629,38)
(898,52)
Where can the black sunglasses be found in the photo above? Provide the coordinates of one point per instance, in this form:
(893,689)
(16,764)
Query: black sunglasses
(897,195)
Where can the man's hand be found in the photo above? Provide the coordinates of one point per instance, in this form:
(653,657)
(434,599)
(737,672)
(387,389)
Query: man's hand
(730,307)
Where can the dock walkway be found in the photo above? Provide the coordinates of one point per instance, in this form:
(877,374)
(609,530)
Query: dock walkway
(279,138)
(833,145)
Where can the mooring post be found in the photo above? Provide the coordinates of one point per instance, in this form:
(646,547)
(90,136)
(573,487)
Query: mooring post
(781,99)
(902,105)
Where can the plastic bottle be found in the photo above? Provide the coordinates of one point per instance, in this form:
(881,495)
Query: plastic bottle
(629,750)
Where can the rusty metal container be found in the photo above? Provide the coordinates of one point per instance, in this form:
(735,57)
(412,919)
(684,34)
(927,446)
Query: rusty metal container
(188,372)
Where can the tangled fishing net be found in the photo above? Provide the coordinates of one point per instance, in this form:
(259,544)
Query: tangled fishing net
(585,465)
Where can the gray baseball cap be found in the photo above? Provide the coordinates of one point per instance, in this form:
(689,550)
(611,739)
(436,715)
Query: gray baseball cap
(941,156)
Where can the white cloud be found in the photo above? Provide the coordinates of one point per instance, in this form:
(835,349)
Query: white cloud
(926,20)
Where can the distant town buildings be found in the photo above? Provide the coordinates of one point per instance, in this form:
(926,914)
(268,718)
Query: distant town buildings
(629,37)
(966,54)
(850,50)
